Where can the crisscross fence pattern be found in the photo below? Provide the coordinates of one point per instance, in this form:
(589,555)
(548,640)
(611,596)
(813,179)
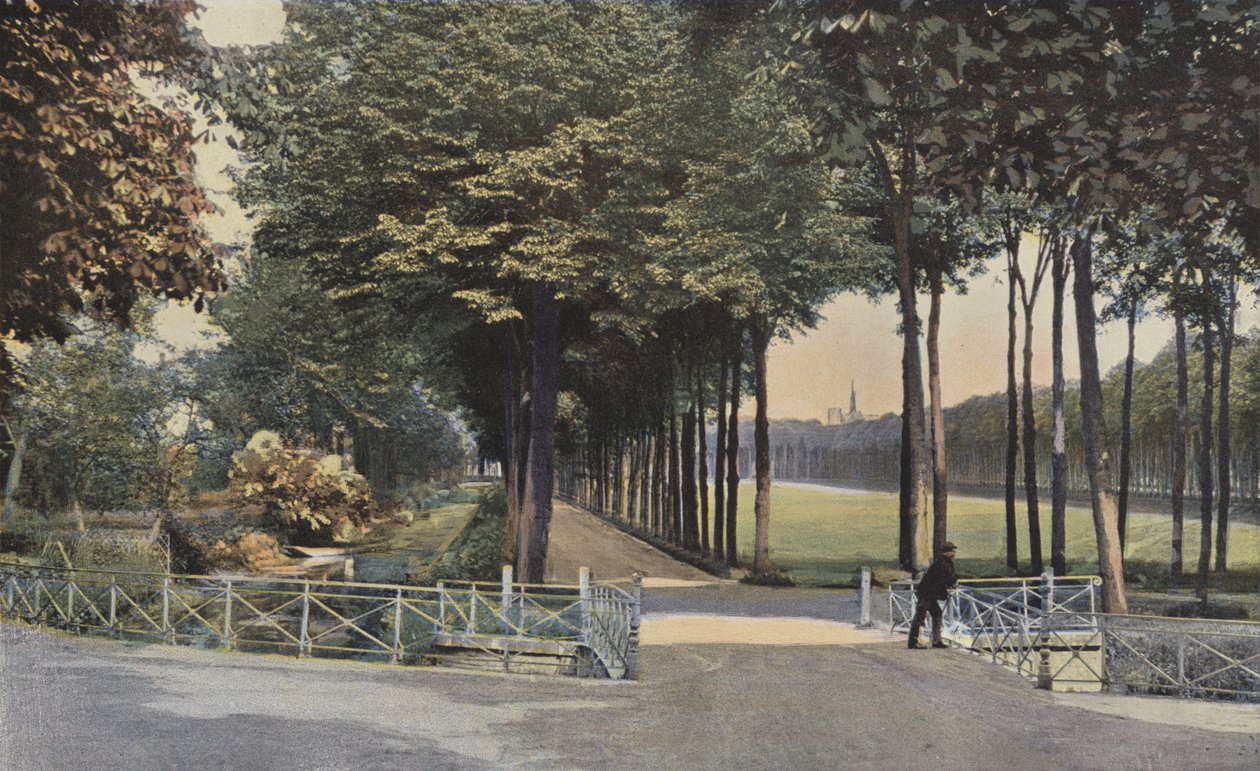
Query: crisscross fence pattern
(571,629)
(1050,630)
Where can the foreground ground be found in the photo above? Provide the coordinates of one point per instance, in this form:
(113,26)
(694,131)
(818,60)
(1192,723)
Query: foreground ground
(730,677)
(97,704)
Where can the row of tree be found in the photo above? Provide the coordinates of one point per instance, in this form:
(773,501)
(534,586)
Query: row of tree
(544,206)
(862,454)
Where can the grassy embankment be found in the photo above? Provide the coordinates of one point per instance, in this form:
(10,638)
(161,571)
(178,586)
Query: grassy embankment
(823,536)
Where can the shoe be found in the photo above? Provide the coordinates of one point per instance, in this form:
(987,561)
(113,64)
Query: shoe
(914,646)
(940,645)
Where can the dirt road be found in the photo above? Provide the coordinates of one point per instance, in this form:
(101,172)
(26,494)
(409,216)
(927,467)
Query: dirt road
(580,539)
(99,704)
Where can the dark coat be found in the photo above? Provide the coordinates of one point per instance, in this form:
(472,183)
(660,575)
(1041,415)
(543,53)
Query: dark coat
(938,580)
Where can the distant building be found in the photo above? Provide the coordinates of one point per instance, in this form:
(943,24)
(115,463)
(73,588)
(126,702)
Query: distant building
(836,416)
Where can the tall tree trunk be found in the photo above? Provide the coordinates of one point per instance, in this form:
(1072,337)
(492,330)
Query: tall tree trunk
(761,441)
(940,475)
(674,527)
(719,469)
(1058,452)
(659,489)
(1177,492)
(691,528)
(732,458)
(702,453)
(1012,419)
(542,441)
(1224,454)
(1030,449)
(912,499)
(511,465)
(72,492)
(1106,528)
(13,479)
(1126,423)
(1205,462)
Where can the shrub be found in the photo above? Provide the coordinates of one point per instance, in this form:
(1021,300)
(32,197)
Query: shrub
(253,550)
(772,577)
(314,499)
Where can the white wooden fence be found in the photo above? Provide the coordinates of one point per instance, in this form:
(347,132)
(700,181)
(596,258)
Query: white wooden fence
(585,629)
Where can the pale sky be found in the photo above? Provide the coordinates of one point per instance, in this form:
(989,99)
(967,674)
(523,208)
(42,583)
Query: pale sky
(856,342)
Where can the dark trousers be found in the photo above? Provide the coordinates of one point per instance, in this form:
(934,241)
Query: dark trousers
(926,607)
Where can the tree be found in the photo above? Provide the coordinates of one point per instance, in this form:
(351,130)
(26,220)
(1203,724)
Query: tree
(99,424)
(925,94)
(95,176)
(485,179)
(954,246)
(765,229)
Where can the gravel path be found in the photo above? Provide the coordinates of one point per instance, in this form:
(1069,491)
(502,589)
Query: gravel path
(579,538)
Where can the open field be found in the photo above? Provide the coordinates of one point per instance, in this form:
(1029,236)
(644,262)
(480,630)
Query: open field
(823,535)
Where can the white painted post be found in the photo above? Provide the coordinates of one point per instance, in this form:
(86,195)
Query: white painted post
(8,593)
(227,615)
(584,596)
(632,641)
(472,610)
(69,598)
(397,654)
(506,599)
(865,617)
(440,625)
(306,615)
(166,611)
(1044,679)
(113,604)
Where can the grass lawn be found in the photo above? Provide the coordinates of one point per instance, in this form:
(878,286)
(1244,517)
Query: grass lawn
(823,536)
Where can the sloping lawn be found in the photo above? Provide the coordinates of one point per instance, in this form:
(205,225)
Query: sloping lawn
(823,536)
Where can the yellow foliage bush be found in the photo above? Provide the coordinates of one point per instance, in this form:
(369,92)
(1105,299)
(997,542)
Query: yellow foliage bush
(314,499)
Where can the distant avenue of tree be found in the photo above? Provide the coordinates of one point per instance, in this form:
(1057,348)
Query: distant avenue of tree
(861,454)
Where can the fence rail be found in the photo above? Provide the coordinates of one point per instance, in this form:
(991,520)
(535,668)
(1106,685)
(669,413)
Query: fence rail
(1050,630)
(585,629)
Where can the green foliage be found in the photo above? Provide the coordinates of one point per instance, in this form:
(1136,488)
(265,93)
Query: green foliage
(477,554)
(312,498)
(100,423)
(96,185)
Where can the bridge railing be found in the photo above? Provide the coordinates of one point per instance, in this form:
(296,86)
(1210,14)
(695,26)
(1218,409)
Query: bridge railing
(1050,631)
(400,624)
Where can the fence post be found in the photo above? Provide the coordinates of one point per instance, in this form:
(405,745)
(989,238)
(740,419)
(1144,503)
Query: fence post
(865,617)
(507,599)
(166,611)
(1181,661)
(396,656)
(9,605)
(70,585)
(472,611)
(1045,680)
(227,614)
(113,604)
(584,600)
(306,615)
(632,640)
(439,626)
(1102,636)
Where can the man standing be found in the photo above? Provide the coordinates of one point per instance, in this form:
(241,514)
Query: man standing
(934,587)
